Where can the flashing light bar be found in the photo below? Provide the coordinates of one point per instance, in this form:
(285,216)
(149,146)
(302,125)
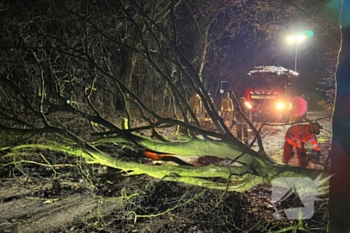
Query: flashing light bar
(268,69)
(272,69)
(293,72)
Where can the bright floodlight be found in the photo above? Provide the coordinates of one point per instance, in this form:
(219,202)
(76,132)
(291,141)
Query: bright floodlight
(290,39)
(296,39)
(300,38)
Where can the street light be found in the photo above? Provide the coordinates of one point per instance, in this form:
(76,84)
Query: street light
(295,40)
(298,39)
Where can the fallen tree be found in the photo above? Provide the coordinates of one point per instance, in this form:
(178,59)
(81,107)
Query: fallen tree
(248,168)
(60,81)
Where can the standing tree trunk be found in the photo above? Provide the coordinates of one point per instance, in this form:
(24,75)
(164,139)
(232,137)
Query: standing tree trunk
(339,201)
(203,57)
(126,73)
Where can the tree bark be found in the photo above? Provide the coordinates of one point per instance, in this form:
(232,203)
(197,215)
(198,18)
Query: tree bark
(339,200)
(127,71)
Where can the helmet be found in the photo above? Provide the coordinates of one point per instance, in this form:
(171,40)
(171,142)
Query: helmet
(314,128)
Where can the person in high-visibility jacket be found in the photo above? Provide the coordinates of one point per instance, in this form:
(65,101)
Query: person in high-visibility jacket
(296,137)
(196,104)
(206,114)
(242,125)
(226,107)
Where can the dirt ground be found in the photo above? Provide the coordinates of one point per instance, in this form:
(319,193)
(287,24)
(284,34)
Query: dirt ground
(142,204)
(92,198)
(31,205)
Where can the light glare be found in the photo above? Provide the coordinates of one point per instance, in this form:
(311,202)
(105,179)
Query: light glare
(297,39)
(280,105)
(300,38)
(249,105)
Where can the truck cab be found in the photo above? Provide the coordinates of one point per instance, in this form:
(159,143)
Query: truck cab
(269,93)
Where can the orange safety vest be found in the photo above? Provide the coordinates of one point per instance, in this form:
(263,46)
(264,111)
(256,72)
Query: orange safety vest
(299,134)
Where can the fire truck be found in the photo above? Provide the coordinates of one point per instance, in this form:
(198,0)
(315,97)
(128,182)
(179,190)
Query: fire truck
(269,92)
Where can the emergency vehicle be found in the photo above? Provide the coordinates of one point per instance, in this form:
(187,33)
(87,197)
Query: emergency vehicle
(269,92)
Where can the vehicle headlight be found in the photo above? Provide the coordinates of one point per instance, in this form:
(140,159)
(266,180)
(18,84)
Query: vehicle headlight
(249,105)
(280,105)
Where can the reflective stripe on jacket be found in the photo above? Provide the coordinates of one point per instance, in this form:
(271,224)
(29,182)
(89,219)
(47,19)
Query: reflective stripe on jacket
(299,134)
(226,104)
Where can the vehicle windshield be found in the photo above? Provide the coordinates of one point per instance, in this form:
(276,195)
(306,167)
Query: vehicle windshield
(268,81)
(263,96)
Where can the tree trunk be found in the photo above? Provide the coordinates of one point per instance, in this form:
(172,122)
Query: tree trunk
(339,200)
(127,71)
